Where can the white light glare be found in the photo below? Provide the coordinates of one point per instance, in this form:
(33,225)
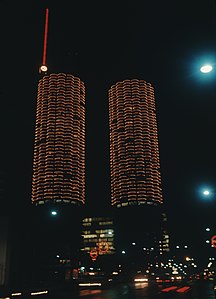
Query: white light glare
(206,192)
(123,252)
(140,279)
(39,293)
(54,213)
(89,284)
(207,229)
(206,68)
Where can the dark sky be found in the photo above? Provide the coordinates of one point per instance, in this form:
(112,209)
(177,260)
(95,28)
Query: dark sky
(102,42)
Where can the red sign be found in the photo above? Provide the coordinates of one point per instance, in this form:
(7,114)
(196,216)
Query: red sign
(93,254)
(213,241)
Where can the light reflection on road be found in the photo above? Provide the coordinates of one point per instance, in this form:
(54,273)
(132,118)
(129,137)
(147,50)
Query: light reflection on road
(89,292)
(143,291)
(141,285)
(123,291)
(106,294)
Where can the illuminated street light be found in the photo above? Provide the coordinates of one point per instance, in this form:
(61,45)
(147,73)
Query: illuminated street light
(53,213)
(206,192)
(123,252)
(134,243)
(208,229)
(207,68)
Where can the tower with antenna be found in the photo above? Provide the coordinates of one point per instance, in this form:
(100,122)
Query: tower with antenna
(59,147)
(43,68)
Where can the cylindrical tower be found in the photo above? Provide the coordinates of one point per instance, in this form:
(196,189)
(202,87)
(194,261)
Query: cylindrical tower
(59,148)
(134,152)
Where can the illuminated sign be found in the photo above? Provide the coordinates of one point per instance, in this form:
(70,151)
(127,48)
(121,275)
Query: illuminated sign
(103,247)
(93,254)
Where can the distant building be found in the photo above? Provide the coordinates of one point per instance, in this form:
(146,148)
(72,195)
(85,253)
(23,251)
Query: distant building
(98,234)
(164,243)
(134,152)
(59,147)
(4,251)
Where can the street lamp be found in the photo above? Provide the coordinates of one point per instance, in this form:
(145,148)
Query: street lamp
(206,192)
(207,68)
(53,213)
(205,71)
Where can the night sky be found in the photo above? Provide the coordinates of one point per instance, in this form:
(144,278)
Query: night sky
(103,42)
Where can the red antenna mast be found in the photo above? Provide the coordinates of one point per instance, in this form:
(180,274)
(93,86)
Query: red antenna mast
(43,67)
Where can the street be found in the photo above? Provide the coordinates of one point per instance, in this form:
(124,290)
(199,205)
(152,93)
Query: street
(201,290)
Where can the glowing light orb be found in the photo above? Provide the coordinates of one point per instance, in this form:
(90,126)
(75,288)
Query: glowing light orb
(206,68)
(43,68)
(54,213)
(206,192)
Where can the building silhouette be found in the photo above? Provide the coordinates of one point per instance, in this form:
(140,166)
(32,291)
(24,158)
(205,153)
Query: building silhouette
(134,152)
(59,146)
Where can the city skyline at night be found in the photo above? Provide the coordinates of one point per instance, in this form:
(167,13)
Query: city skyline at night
(103,46)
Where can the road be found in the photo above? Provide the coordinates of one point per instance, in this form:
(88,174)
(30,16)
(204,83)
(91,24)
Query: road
(201,290)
